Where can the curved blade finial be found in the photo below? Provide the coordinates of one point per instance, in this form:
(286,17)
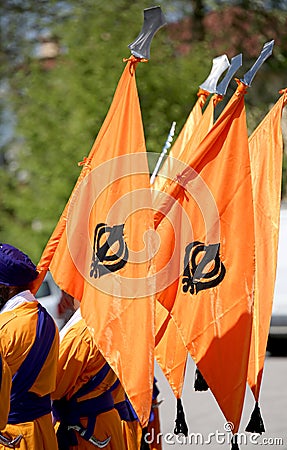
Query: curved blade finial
(265,53)
(219,65)
(153,21)
(236,62)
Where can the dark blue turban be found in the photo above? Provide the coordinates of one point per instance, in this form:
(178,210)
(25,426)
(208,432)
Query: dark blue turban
(16,268)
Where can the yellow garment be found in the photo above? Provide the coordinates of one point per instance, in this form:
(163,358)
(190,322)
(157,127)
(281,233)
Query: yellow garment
(79,361)
(131,430)
(5,387)
(18,332)
(107,424)
(37,435)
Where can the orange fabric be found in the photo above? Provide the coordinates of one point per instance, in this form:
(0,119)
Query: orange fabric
(38,434)
(266,154)
(118,394)
(80,360)
(112,199)
(132,433)
(163,199)
(200,131)
(189,127)
(170,351)
(107,424)
(168,169)
(18,331)
(215,320)
(130,429)
(5,387)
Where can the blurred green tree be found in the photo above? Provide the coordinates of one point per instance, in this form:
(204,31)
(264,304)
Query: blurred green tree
(61,61)
(61,98)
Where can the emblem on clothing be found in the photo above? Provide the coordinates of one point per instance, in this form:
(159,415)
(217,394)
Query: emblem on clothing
(110,251)
(203,268)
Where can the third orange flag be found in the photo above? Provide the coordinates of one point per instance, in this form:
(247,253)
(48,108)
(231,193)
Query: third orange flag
(266,155)
(212,305)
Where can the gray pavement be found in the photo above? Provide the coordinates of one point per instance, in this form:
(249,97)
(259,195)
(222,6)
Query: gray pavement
(203,416)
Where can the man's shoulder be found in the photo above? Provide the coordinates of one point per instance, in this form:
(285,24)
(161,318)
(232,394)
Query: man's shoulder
(7,317)
(80,334)
(20,311)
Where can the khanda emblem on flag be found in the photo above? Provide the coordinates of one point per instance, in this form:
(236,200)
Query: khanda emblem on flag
(110,252)
(203,268)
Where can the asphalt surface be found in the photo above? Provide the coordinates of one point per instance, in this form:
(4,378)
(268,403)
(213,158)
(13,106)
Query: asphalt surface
(206,423)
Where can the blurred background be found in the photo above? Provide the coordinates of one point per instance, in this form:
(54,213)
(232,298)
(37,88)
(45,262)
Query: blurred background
(60,62)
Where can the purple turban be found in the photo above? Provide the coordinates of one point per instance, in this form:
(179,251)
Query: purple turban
(16,268)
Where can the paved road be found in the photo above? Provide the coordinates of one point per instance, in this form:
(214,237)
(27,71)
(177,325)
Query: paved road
(203,415)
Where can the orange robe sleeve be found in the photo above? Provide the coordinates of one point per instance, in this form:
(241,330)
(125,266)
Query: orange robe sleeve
(5,388)
(79,360)
(18,332)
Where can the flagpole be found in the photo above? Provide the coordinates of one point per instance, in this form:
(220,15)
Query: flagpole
(165,148)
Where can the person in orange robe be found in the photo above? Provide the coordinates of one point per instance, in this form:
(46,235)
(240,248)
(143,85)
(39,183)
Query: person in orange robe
(83,404)
(136,437)
(151,436)
(129,422)
(29,343)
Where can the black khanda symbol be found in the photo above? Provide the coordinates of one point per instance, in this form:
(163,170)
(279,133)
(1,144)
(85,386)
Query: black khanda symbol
(110,252)
(203,268)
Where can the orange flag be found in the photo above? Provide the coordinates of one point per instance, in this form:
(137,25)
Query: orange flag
(170,351)
(214,290)
(190,125)
(167,170)
(266,155)
(101,249)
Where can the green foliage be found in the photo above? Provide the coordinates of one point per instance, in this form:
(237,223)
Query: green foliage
(60,111)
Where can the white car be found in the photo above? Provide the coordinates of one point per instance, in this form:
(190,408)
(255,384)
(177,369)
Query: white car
(49,295)
(277,341)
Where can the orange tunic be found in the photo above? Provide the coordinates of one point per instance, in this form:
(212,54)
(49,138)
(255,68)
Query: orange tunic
(79,361)
(5,387)
(131,429)
(18,332)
